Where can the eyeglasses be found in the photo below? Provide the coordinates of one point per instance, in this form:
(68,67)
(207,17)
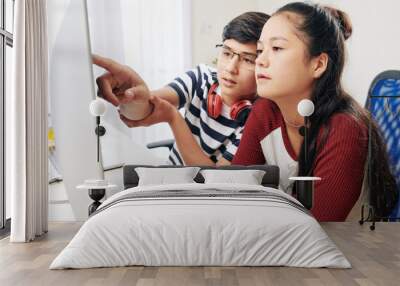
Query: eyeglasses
(247,61)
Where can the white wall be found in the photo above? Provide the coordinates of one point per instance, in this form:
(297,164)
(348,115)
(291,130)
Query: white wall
(209,17)
(374,45)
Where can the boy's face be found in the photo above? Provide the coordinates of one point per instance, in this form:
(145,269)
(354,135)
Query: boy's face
(236,76)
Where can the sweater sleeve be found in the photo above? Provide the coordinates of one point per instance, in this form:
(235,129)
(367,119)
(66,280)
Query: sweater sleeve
(249,151)
(340,164)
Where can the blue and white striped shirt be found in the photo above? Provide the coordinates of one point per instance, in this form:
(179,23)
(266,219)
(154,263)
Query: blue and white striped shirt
(218,137)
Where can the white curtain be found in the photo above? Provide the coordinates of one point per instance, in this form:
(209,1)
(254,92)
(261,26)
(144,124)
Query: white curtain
(152,37)
(27,123)
(158,46)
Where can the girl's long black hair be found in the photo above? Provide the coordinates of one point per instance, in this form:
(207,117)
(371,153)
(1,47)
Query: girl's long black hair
(324,30)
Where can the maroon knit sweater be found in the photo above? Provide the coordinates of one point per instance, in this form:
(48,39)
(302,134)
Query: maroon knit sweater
(340,163)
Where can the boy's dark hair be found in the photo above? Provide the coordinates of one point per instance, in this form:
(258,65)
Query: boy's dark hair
(245,28)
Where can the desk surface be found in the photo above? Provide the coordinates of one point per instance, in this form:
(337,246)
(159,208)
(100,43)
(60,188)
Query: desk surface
(374,255)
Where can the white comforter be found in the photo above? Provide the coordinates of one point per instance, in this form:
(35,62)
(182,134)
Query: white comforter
(200,231)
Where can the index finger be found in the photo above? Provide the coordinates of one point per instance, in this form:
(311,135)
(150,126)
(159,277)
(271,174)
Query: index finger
(106,63)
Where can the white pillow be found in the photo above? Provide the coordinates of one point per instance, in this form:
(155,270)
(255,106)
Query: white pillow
(248,177)
(163,176)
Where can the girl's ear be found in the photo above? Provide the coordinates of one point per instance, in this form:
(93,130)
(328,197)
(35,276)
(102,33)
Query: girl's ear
(319,65)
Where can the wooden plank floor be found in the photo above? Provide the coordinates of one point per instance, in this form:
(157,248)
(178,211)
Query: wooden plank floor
(375,256)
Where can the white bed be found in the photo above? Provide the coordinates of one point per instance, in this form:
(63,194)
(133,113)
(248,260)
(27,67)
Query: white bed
(249,225)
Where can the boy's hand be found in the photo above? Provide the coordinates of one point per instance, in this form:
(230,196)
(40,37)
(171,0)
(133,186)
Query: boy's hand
(120,84)
(163,111)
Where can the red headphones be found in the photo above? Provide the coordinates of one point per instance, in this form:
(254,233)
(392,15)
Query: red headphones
(239,110)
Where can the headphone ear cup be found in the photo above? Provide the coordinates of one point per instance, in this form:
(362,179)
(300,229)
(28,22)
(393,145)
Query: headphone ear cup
(243,115)
(214,105)
(240,111)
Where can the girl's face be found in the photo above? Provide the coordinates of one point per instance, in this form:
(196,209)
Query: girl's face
(282,66)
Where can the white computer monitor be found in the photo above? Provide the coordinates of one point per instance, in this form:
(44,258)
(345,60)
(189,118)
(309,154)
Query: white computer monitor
(71,89)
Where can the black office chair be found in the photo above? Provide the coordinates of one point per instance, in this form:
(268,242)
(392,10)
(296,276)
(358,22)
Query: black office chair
(169,143)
